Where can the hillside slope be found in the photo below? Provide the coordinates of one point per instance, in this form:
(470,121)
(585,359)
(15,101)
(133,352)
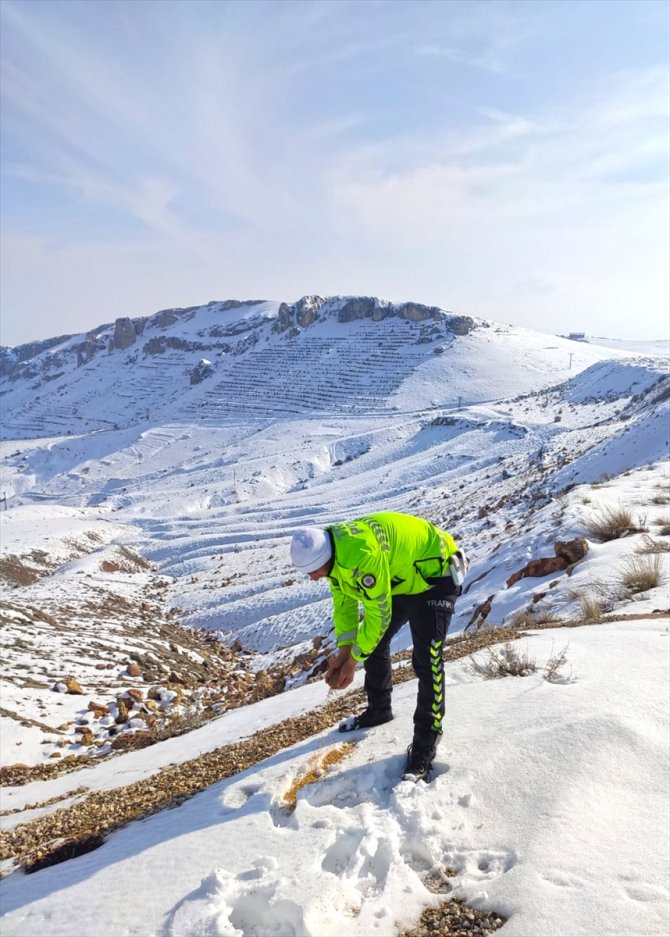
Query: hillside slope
(341,356)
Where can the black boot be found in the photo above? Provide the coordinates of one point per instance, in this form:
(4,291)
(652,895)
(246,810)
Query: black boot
(419,762)
(366,720)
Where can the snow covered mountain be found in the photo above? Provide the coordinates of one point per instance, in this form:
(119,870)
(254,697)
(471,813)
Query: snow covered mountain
(342,355)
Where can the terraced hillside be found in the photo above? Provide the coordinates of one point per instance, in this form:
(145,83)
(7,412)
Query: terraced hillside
(343,356)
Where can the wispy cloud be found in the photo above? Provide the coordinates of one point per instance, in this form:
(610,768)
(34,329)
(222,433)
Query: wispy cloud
(290,147)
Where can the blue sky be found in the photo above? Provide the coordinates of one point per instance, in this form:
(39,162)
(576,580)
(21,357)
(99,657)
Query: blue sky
(501,159)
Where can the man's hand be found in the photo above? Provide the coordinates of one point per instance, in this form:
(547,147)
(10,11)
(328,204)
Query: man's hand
(341,669)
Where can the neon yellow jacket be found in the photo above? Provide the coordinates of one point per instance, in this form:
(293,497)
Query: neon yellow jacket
(376,557)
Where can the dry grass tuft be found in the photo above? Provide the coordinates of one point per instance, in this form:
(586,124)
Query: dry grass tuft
(608,523)
(591,609)
(649,545)
(642,573)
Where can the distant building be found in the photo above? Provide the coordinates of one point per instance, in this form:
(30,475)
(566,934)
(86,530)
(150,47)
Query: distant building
(577,336)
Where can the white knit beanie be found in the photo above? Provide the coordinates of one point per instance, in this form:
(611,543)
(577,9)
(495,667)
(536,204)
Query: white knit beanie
(310,549)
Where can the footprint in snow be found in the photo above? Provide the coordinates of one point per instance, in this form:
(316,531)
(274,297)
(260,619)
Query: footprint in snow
(243,905)
(239,794)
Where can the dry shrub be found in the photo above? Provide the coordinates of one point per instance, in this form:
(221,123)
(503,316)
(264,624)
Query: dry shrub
(591,608)
(642,573)
(554,664)
(502,662)
(609,523)
(649,545)
(509,662)
(592,604)
(522,618)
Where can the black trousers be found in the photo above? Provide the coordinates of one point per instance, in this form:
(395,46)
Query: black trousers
(429,615)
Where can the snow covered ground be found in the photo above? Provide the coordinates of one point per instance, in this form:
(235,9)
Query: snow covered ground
(549,806)
(550,801)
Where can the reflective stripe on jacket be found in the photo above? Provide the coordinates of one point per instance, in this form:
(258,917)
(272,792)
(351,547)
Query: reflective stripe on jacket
(376,557)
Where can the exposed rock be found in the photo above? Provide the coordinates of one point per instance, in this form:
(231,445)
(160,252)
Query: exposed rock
(416,312)
(164,318)
(572,550)
(160,344)
(481,613)
(73,687)
(236,303)
(134,669)
(11,358)
(85,735)
(155,346)
(361,307)
(122,715)
(284,318)
(568,552)
(131,740)
(307,310)
(98,709)
(460,325)
(135,695)
(537,568)
(85,351)
(124,333)
(382,312)
(201,371)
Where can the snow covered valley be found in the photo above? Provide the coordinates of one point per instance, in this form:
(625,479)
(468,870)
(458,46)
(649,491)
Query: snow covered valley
(159,650)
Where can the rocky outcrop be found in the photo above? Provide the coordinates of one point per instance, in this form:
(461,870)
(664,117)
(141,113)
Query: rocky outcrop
(568,552)
(307,310)
(124,333)
(302,313)
(237,303)
(85,351)
(201,371)
(572,550)
(480,614)
(416,312)
(165,318)
(158,346)
(284,318)
(460,325)
(544,566)
(360,307)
